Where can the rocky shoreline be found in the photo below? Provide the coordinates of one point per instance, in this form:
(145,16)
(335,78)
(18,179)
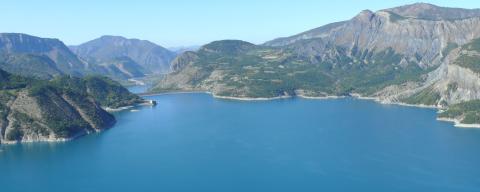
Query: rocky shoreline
(457,123)
(152,103)
(146,103)
(50,139)
(53,139)
(356,96)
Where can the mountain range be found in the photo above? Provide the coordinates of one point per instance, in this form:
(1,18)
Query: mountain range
(112,56)
(418,54)
(51,93)
(41,57)
(147,56)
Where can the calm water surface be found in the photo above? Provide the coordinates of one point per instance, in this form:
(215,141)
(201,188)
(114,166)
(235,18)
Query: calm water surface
(192,142)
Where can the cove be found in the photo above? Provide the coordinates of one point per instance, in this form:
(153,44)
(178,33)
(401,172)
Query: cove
(193,142)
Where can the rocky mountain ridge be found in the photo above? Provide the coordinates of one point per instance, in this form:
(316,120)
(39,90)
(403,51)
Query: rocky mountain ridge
(41,57)
(417,54)
(112,56)
(418,40)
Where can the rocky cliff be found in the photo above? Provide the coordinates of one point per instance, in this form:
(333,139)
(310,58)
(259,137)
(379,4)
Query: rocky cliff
(419,32)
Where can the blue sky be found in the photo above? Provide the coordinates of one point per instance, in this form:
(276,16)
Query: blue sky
(184,22)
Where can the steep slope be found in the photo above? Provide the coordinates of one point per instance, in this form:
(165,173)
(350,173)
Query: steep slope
(456,80)
(120,68)
(412,35)
(418,54)
(320,32)
(152,57)
(48,57)
(61,109)
(30,65)
(183,49)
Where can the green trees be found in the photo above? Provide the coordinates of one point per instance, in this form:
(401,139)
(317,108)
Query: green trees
(65,106)
(468,112)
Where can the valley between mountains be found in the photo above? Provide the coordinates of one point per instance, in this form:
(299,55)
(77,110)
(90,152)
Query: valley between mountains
(418,54)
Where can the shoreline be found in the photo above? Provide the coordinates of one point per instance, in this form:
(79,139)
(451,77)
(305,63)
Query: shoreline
(152,103)
(251,98)
(354,96)
(219,96)
(170,93)
(146,103)
(410,105)
(320,97)
(457,123)
(50,139)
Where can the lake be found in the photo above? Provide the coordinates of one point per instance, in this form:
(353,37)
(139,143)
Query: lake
(193,142)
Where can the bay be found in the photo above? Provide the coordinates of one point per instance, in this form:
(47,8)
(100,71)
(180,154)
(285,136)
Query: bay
(193,142)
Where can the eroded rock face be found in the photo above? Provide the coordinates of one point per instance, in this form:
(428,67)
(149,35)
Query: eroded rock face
(450,83)
(460,84)
(60,109)
(419,36)
(422,33)
(37,118)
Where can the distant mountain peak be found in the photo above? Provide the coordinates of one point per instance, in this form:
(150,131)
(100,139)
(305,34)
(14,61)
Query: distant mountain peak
(433,12)
(122,41)
(365,15)
(227,46)
(421,5)
(366,12)
(414,9)
(112,37)
(149,55)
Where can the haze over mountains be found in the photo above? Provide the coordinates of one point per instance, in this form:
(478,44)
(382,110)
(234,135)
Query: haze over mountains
(183,49)
(43,57)
(149,56)
(113,56)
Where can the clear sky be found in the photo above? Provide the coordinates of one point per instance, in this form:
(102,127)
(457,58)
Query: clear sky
(184,22)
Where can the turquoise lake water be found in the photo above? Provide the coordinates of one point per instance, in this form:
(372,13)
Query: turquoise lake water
(193,142)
